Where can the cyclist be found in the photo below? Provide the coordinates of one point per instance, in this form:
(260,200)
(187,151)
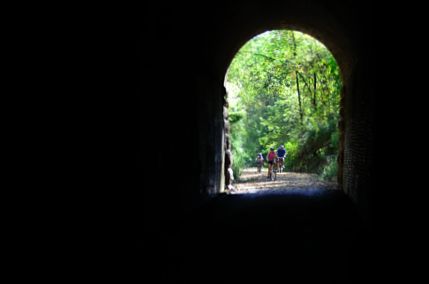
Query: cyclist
(281,154)
(259,162)
(271,157)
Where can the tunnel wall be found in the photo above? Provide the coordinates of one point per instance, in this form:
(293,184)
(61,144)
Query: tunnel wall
(184,52)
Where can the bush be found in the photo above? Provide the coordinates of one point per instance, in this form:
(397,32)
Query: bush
(329,171)
(238,158)
(291,157)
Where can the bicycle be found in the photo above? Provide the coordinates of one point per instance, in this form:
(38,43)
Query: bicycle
(281,164)
(259,165)
(273,172)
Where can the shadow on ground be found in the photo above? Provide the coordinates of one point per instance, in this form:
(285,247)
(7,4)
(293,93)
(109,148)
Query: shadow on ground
(290,236)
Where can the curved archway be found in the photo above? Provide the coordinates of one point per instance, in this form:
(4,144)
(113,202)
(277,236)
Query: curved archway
(262,72)
(356,106)
(186,55)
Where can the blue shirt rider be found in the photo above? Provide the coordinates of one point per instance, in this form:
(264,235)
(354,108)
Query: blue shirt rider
(281,152)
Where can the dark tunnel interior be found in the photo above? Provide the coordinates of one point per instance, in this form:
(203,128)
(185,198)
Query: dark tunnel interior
(184,229)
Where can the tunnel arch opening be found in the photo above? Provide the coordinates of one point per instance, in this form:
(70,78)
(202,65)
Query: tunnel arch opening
(355,165)
(196,50)
(289,53)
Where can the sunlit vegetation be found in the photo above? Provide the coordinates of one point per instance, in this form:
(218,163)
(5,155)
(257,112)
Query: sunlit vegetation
(284,88)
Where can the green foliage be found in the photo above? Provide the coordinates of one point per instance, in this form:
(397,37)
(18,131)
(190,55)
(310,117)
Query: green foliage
(265,110)
(329,171)
(235,117)
(238,163)
(292,155)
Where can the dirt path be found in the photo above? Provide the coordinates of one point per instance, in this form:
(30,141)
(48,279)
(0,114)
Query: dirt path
(253,182)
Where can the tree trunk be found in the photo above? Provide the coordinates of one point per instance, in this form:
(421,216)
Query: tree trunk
(299,95)
(312,92)
(326,94)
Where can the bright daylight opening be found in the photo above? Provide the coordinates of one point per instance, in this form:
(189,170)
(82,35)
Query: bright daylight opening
(284,91)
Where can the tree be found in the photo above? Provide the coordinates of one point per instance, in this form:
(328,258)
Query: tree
(278,78)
